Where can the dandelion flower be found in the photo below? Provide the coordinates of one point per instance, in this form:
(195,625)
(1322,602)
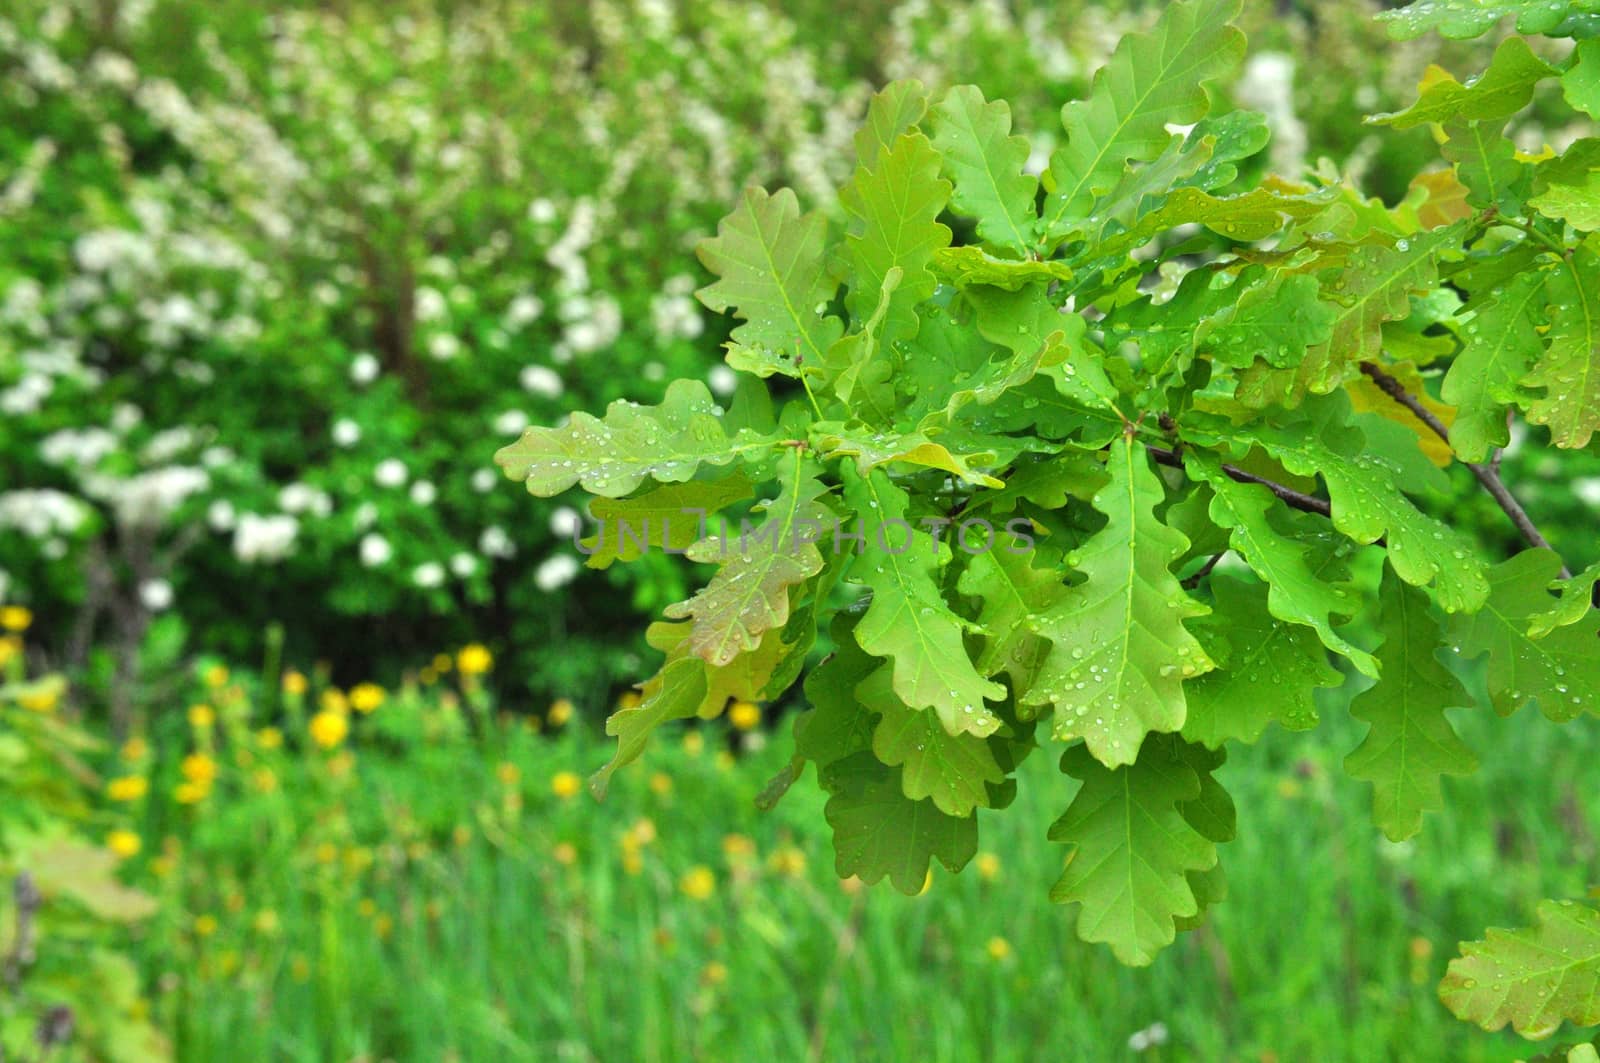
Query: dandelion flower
(716,973)
(270,738)
(10,646)
(333,700)
(744,715)
(698,883)
(694,743)
(737,847)
(188,793)
(789,861)
(199,769)
(988,865)
(216,677)
(124,843)
(16,618)
(474,660)
(998,948)
(42,699)
(205,925)
(294,683)
(661,784)
(508,773)
(266,922)
(560,712)
(565,853)
(328,729)
(202,717)
(565,784)
(127,788)
(135,748)
(366,697)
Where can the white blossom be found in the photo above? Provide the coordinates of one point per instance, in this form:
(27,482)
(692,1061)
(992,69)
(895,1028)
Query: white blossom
(541,380)
(391,472)
(423,493)
(303,498)
(565,522)
(494,542)
(43,512)
(463,565)
(555,572)
(375,550)
(511,423)
(146,500)
(723,380)
(156,594)
(442,347)
(220,515)
(78,447)
(364,369)
(523,311)
(428,575)
(483,480)
(264,539)
(430,304)
(1151,1036)
(1588,490)
(346,433)
(542,211)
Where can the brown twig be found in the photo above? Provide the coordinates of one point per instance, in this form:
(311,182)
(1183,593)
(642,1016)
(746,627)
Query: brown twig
(1191,582)
(1486,474)
(1297,499)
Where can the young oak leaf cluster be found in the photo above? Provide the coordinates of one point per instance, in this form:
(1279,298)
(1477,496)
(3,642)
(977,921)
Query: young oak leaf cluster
(1025,489)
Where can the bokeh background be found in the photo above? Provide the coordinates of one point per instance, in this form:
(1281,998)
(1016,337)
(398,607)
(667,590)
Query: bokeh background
(296,692)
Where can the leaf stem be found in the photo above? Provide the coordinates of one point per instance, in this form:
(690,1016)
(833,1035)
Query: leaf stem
(1528,230)
(1297,499)
(1487,475)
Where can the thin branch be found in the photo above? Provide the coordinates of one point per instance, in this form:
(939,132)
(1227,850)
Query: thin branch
(1487,475)
(1191,582)
(1297,499)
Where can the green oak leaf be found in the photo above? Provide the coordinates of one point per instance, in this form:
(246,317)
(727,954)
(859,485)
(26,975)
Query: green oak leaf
(1153,79)
(1367,504)
(894,111)
(744,678)
(909,620)
(874,449)
(878,831)
(1497,93)
(984,162)
(1119,651)
(674,693)
(967,266)
(1534,978)
(1581,82)
(1214,816)
(1500,341)
(769,261)
(1486,162)
(1561,670)
(1465,19)
(1567,188)
(668,518)
(750,593)
(1012,591)
(859,367)
(953,770)
(1411,744)
(895,203)
(1133,848)
(1575,604)
(1298,592)
(837,725)
(1569,370)
(1269,670)
(633,443)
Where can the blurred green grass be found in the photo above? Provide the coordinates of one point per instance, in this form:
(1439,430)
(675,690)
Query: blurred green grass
(425,894)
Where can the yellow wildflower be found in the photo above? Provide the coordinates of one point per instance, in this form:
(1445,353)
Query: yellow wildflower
(565,853)
(427,677)
(998,948)
(327,853)
(135,748)
(565,784)
(442,663)
(127,788)
(787,860)
(366,697)
(694,743)
(124,843)
(294,683)
(632,862)
(716,973)
(988,865)
(698,883)
(508,773)
(661,784)
(266,922)
(202,717)
(265,780)
(333,700)
(328,729)
(188,793)
(474,660)
(560,712)
(644,831)
(270,738)
(10,646)
(745,715)
(199,769)
(16,618)
(42,699)
(205,925)
(341,764)
(216,677)
(737,847)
